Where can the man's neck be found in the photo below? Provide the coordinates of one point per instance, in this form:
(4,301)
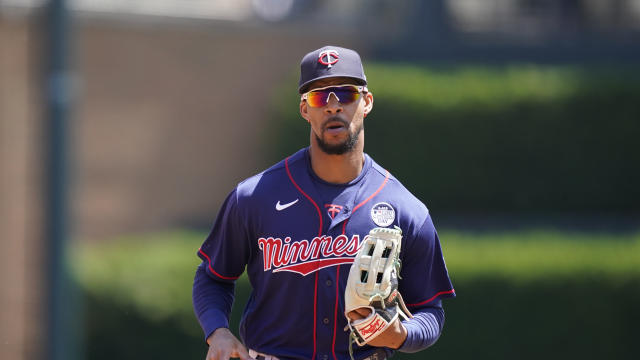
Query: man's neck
(337,169)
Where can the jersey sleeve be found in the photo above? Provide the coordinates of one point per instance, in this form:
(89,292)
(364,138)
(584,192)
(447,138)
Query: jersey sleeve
(212,301)
(424,328)
(425,278)
(226,250)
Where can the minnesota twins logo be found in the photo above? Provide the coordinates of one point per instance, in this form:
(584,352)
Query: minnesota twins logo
(328,57)
(333,210)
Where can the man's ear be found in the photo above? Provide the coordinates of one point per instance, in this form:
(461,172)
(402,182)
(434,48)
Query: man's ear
(304,108)
(368,103)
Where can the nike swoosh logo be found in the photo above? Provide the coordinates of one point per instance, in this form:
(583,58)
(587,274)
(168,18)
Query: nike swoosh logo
(281,207)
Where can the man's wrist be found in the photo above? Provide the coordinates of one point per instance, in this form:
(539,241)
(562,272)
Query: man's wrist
(214,333)
(401,337)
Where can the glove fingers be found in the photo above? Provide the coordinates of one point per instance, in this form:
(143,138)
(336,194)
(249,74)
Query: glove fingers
(377,264)
(359,313)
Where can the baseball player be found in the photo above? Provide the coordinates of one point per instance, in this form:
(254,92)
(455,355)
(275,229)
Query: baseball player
(297,227)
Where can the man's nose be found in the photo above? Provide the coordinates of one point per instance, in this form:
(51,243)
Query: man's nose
(333,104)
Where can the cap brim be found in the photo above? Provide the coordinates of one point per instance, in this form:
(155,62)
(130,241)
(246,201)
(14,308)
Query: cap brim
(303,88)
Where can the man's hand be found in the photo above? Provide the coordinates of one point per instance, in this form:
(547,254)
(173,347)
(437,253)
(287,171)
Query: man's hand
(393,337)
(224,346)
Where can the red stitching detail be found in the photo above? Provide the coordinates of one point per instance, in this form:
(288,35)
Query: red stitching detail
(286,164)
(386,178)
(213,271)
(315,287)
(315,316)
(433,297)
(335,313)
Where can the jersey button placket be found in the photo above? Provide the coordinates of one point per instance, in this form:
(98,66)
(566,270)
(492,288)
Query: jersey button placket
(325,311)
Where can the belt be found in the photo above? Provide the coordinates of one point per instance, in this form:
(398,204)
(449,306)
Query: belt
(260,356)
(378,355)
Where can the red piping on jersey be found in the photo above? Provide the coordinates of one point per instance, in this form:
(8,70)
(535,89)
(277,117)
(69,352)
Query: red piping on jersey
(344,227)
(335,313)
(386,178)
(286,165)
(213,271)
(315,316)
(315,286)
(433,297)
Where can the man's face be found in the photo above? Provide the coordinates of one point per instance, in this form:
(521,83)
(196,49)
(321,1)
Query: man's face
(336,127)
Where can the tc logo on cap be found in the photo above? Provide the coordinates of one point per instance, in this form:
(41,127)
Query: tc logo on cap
(331,57)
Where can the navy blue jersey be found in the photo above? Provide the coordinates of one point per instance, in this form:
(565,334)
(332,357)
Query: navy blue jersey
(297,236)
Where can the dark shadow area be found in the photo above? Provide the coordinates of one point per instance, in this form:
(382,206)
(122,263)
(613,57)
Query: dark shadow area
(116,331)
(492,318)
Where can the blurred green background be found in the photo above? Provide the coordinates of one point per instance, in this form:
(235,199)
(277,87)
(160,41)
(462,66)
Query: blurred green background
(471,141)
(524,294)
(513,139)
(515,122)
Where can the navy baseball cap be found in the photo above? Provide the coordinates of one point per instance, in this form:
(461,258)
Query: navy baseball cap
(328,62)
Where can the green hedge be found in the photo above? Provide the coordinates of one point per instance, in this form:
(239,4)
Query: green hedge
(498,139)
(137,297)
(520,295)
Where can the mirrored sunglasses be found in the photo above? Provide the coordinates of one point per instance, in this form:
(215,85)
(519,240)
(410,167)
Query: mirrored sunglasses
(346,94)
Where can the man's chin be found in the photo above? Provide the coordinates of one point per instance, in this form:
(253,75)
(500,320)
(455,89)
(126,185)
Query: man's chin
(337,147)
(335,142)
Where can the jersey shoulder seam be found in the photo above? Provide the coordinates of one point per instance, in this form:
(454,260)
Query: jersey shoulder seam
(273,168)
(383,172)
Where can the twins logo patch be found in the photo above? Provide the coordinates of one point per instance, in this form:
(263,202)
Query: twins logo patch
(383,214)
(333,210)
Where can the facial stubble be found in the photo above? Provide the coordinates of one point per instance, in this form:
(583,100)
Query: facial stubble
(343,147)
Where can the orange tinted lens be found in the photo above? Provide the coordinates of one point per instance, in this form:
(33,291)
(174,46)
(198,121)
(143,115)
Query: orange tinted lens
(317,98)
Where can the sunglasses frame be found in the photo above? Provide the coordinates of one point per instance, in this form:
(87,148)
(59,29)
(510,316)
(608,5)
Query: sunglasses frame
(360,88)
